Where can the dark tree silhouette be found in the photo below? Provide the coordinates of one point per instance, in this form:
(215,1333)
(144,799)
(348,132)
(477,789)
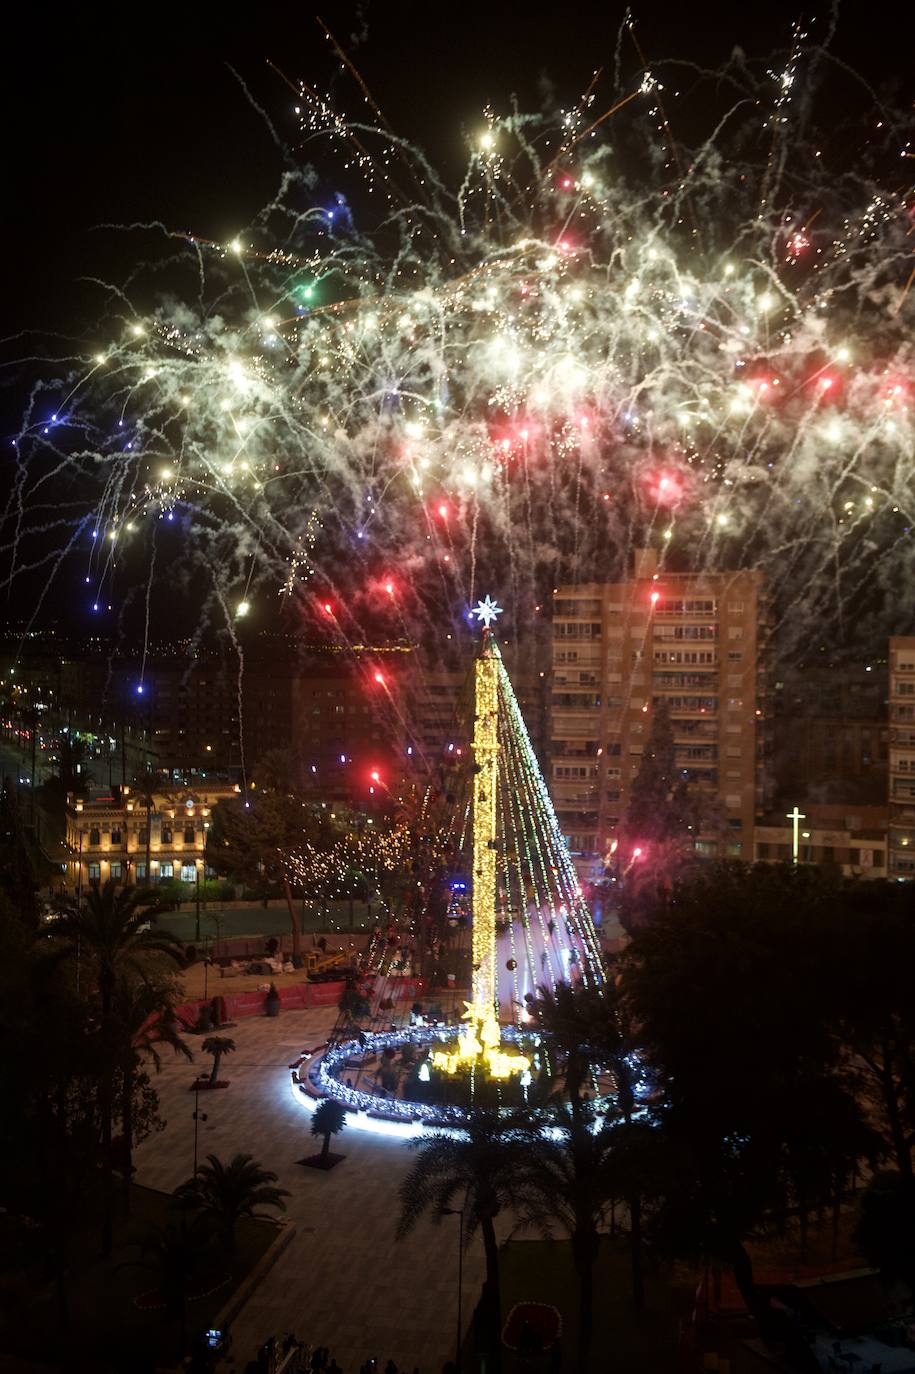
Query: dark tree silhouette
(112,935)
(224,1193)
(484,1167)
(217,1046)
(329,1120)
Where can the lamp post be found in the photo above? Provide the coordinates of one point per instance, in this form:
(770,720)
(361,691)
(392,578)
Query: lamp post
(79,897)
(197,901)
(459,1213)
(198,1117)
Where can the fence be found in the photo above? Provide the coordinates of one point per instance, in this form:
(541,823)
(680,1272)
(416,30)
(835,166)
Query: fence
(236,1006)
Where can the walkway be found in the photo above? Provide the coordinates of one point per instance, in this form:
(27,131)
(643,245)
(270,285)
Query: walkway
(344,1281)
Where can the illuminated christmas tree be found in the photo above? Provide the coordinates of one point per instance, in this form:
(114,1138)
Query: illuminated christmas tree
(530,923)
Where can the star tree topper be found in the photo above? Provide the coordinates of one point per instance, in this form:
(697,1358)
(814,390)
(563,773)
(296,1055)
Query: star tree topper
(486,611)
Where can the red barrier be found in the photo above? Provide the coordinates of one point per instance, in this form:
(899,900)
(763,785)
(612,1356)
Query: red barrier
(294,999)
(325,994)
(241,1004)
(235,1006)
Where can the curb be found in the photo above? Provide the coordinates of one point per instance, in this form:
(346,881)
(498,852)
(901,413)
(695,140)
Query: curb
(252,1281)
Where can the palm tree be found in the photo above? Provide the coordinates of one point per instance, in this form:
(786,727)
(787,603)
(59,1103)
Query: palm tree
(487,1162)
(590,1026)
(217,1046)
(112,930)
(226,1192)
(146,785)
(143,1020)
(572,1017)
(328,1120)
(573,1183)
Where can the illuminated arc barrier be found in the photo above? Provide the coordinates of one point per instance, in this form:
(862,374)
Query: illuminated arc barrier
(323,1079)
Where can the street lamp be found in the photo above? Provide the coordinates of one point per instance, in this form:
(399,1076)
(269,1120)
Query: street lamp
(198,1117)
(459,1213)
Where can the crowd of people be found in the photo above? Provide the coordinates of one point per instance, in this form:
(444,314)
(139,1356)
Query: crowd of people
(292,1356)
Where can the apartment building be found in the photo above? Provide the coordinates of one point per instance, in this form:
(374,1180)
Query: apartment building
(107,837)
(901,799)
(694,640)
(831,732)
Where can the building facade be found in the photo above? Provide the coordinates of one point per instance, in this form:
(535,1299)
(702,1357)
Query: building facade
(848,837)
(831,732)
(696,641)
(108,837)
(901,798)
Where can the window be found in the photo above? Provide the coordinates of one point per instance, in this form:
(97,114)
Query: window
(735,703)
(95,836)
(735,608)
(735,632)
(115,870)
(576,608)
(188,873)
(670,605)
(735,655)
(762,850)
(189,834)
(116,835)
(576,630)
(95,873)
(140,871)
(166,834)
(166,869)
(143,834)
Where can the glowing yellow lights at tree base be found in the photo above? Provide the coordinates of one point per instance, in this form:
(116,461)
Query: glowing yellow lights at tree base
(480,1039)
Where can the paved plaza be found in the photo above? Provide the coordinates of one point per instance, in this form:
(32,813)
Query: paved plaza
(343,1281)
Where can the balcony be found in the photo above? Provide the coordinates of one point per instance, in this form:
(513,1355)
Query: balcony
(572,727)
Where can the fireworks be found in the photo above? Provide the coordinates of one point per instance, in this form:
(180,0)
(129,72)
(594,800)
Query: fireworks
(598,339)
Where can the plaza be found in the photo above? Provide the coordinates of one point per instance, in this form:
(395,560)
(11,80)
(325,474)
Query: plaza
(343,1281)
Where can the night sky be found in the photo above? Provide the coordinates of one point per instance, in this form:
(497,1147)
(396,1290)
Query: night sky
(129,115)
(141,113)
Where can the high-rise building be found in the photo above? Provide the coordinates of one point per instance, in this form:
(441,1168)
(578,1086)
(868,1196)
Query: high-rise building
(830,728)
(902,758)
(693,640)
